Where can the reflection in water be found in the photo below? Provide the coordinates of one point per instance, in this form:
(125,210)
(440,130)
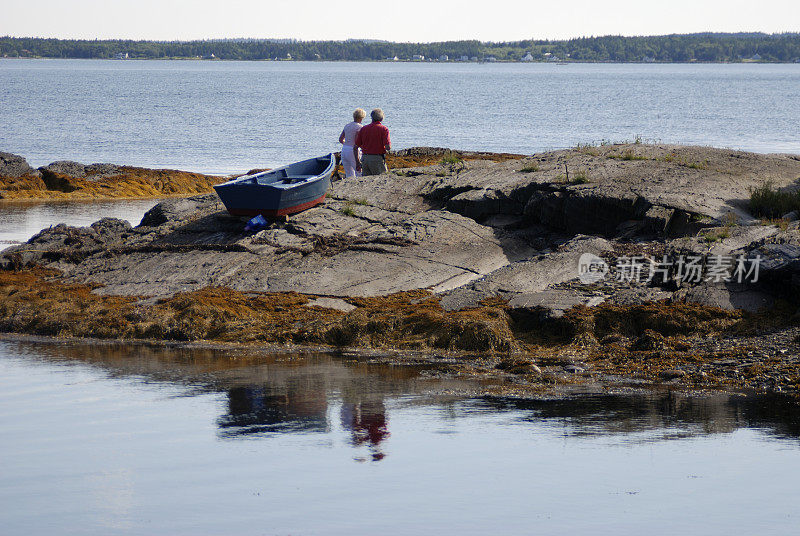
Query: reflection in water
(266,393)
(253,410)
(300,405)
(279,393)
(669,415)
(367,422)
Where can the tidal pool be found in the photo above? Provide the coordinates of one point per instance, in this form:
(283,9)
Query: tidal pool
(20,220)
(110,439)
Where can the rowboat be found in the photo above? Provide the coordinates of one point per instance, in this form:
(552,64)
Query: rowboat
(278,192)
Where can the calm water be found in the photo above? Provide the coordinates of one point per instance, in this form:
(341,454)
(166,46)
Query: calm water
(222,117)
(131,440)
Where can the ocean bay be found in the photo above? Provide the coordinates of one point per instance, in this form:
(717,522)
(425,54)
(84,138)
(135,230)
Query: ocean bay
(225,117)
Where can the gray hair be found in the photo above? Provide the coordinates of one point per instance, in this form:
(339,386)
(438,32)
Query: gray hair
(376,114)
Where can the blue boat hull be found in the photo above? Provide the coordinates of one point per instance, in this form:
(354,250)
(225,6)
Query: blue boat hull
(279,192)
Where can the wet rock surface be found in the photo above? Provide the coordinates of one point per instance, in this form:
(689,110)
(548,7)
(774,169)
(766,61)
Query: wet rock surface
(496,247)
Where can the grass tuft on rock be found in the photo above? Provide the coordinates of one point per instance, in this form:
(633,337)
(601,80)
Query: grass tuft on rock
(766,201)
(580,177)
(450,159)
(347,210)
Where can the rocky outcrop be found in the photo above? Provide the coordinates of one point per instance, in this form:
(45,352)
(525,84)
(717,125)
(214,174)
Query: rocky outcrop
(67,176)
(552,304)
(469,230)
(69,180)
(528,277)
(527,257)
(188,244)
(14,166)
(92,172)
(663,188)
(17,177)
(65,167)
(730,297)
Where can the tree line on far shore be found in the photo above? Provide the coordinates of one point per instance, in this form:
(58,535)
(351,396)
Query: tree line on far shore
(704,47)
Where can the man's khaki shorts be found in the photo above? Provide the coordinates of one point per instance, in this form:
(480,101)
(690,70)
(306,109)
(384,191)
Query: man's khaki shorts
(373,164)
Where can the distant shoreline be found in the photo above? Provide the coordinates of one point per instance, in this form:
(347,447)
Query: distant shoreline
(676,48)
(433,62)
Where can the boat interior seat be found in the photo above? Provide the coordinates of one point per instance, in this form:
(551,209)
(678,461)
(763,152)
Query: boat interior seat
(297,178)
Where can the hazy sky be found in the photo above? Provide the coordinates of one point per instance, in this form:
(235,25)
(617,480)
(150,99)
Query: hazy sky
(410,20)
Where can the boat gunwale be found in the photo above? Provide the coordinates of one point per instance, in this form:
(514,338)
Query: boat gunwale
(254,177)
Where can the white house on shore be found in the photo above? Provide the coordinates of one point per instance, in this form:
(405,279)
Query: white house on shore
(527,57)
(444,57)
(418,57)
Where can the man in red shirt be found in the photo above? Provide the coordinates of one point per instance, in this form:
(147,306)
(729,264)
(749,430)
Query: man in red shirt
(374,142)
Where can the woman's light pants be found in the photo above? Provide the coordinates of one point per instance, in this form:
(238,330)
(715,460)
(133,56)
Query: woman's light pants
(349,161)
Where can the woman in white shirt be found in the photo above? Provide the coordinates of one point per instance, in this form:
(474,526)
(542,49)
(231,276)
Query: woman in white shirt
(348,139)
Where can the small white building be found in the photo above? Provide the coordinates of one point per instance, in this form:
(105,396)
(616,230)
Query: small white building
(474,58)
(463,58)
(418,57)
(527,57)
(121,56)
(444,57)
(490,59)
